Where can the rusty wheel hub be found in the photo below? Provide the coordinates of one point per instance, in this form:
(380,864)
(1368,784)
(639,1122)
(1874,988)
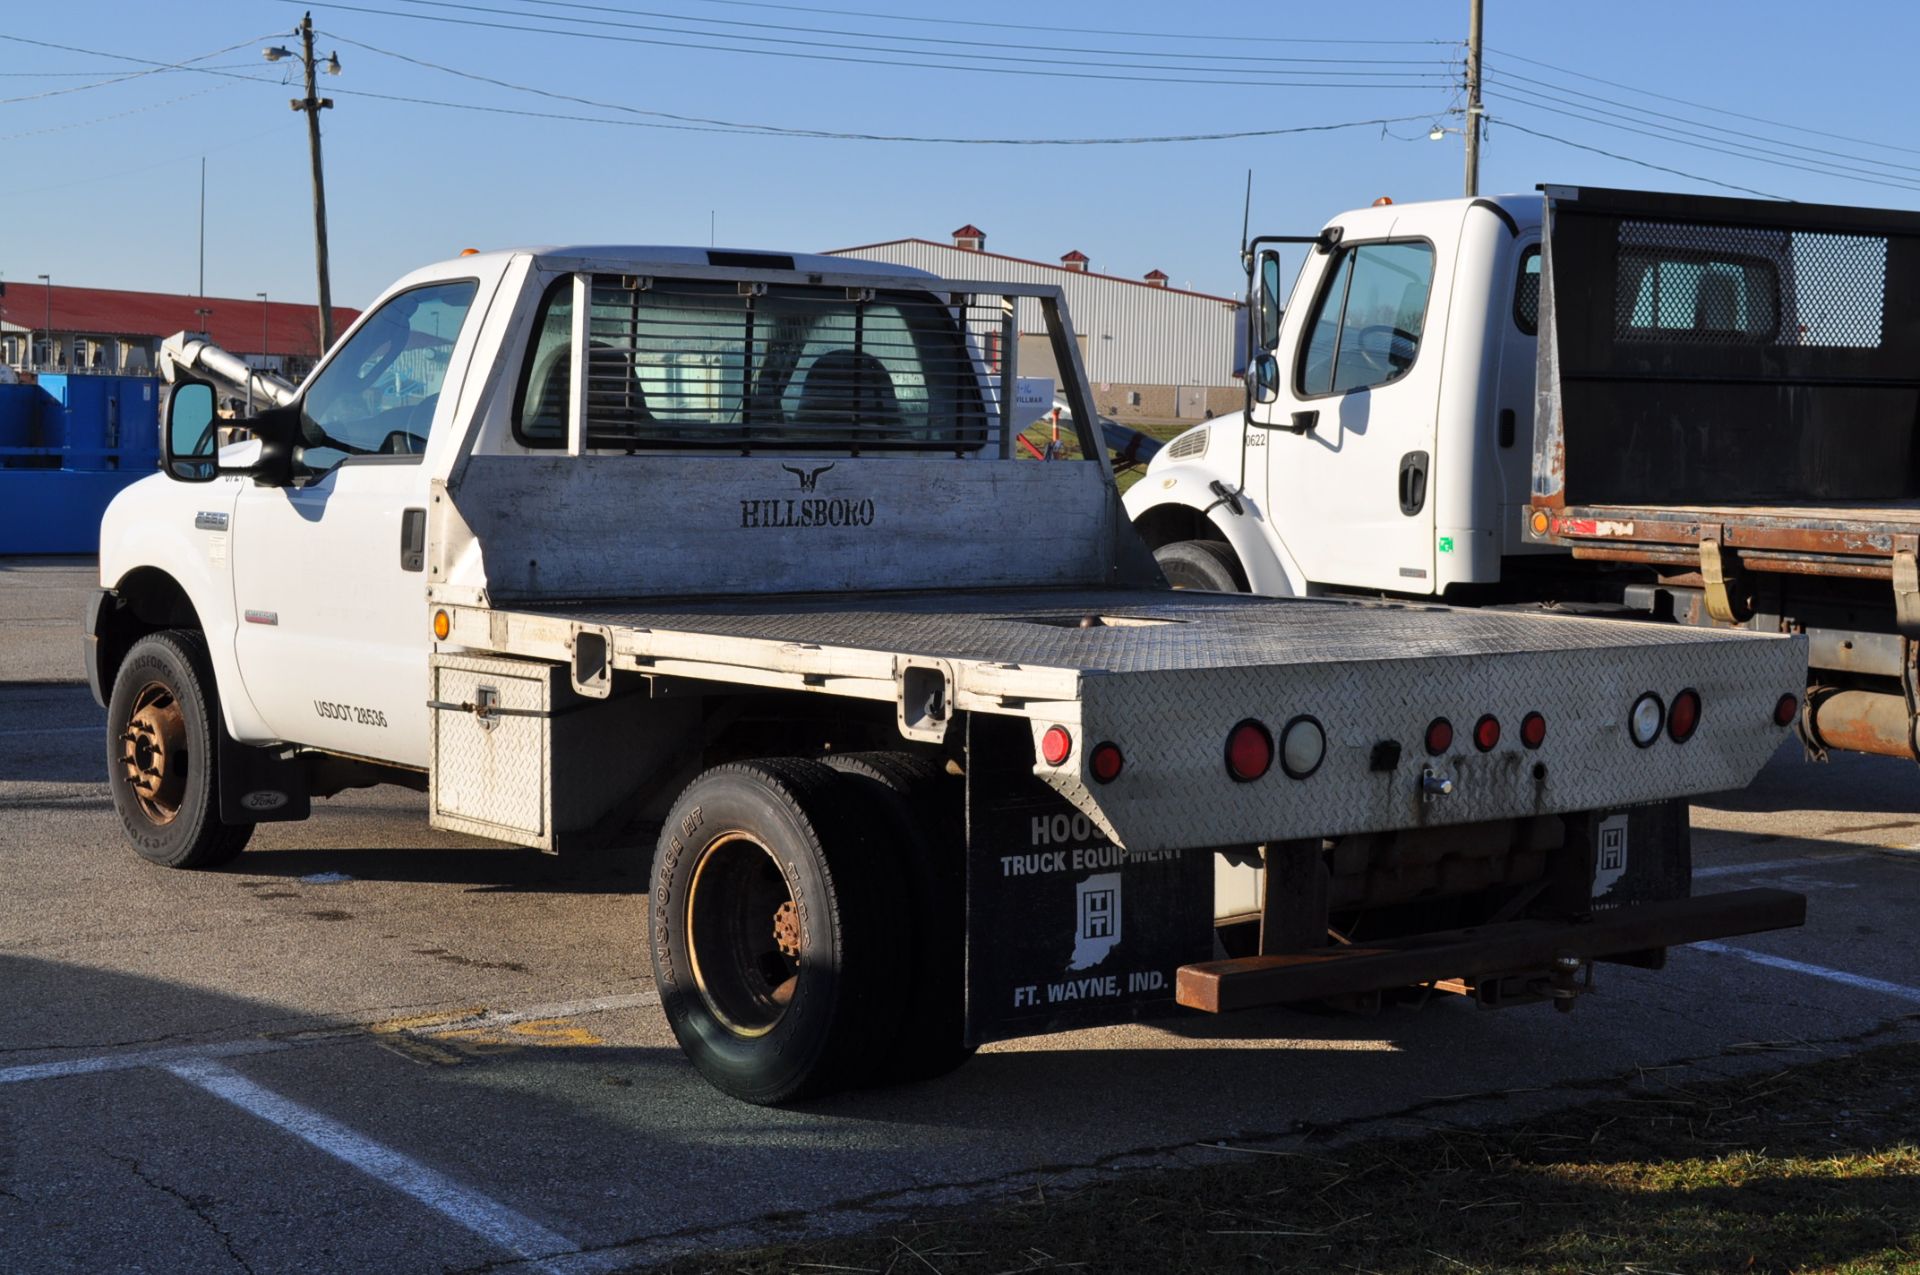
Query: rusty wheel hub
(786,930)
(153,752)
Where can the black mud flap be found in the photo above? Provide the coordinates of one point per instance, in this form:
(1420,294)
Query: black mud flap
(1064,928)
(1641,854)
(261,785)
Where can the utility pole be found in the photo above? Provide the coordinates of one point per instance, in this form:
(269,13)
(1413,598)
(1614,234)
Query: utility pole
(313,104)
(1473,97)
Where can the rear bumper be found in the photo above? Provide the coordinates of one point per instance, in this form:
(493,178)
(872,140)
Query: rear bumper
(1514,947)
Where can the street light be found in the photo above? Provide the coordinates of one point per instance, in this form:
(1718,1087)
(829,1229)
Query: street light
(263,348)
(48,280)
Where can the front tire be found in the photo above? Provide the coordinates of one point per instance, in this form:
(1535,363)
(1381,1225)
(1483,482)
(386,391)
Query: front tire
(161,747)
(1201,564)
(776,924)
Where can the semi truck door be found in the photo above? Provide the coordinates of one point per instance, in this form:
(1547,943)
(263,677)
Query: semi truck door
(328,575)
(1350,482)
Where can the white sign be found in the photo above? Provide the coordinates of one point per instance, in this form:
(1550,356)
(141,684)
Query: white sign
(1032,399)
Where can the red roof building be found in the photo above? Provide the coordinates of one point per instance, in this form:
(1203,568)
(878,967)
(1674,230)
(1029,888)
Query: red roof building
(111,330)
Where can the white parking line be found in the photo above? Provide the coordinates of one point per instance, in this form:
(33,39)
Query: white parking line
(145,1058)
(492,1221)
(1817,971)
(1774,865)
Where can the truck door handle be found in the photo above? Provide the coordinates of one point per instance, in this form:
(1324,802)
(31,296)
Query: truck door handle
(1506,427)
(413,540)
(1413,483)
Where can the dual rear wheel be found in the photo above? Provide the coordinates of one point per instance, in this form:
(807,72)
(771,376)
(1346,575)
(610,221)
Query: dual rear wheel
(805,926)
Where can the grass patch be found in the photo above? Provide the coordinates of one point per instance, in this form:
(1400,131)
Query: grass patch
(1810,1168)
(1040,434)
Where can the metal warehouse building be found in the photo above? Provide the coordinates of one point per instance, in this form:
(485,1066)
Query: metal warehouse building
(1153,353)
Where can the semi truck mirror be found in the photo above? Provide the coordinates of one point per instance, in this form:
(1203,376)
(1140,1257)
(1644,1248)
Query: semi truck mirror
(1269,301)
(1266,378)
(190,432)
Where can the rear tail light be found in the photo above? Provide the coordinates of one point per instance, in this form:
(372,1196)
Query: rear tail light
(1249,751)
(1645,718)
(1684,717)
(1056,745)
(1486,733)
(1303,746)
(1533,730)
(1439,736)
(1786,709)
(1105,762)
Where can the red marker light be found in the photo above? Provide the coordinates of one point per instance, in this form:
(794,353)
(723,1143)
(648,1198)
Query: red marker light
(1533,730)
(1105,762)
(1786,710)
(1056,745)
(1486,733)
(1249,751)
(1683,716)
(1439,736)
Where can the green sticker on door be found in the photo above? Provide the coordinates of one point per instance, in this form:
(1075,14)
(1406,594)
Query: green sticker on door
(1446,544)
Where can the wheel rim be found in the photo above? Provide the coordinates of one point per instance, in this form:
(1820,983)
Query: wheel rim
(153,752)
(743,935)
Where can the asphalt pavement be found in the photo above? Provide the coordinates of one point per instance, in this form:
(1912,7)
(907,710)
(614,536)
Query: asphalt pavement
(368,1045)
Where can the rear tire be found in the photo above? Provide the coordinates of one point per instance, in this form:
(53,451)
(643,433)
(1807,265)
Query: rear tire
(161,754)
(1201,564)
(776,923)
(924,808)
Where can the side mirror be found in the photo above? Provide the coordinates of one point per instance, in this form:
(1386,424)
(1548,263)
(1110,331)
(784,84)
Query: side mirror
(1269,300)
(190,432)
(1265,377)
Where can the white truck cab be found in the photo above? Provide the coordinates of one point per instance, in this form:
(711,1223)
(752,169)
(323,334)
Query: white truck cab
(1407,345)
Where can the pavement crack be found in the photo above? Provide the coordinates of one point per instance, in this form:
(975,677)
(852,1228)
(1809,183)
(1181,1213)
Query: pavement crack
(193,1204)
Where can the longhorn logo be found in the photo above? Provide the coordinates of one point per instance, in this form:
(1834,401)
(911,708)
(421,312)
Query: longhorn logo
(808,477)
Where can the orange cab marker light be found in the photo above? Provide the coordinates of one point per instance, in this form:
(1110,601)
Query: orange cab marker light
(1383,201)
(469,252)
(442,625)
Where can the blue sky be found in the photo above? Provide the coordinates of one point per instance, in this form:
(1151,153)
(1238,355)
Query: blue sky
(99,185)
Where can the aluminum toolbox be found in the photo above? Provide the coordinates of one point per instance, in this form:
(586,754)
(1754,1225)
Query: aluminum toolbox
(519,756)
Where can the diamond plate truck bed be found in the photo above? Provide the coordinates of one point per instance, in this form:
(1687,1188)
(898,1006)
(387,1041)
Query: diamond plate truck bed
(1166,676)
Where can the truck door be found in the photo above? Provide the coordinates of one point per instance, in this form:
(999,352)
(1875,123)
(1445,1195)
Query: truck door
(1350,491)
(328,585)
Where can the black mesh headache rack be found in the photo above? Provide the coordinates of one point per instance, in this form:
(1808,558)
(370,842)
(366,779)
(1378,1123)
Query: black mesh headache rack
(1736,371)
(736,358)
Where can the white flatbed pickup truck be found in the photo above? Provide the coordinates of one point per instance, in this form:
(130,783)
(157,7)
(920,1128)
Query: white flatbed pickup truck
(737,542)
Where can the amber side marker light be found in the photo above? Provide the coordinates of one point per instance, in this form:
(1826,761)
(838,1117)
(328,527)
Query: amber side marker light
(442,625)
(1539,522)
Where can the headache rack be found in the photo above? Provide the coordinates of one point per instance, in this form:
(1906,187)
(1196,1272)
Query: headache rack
(746,360)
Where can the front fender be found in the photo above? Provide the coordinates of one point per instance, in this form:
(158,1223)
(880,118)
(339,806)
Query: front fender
(1270,568)
(182,530)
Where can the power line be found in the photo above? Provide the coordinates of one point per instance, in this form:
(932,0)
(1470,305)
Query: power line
(707,124)
(926,39)
(1703,106)
(1746,154)
(1024,72)
(1715,128)
(102,119)
(157,67)
(1503,121)
(1235,37)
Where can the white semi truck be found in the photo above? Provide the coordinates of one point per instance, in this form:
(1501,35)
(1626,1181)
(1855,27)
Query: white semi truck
(1670,407)
(737,542)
